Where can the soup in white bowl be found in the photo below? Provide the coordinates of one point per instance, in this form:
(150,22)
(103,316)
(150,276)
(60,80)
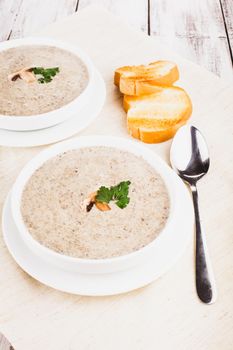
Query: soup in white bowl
(43,82)
(57,214)
(95,204)
(20,97)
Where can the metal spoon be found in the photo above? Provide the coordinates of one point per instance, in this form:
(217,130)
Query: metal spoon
(190,159)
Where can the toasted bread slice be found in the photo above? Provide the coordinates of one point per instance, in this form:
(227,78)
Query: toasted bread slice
(134,71)
(154,135)
(156,117)
(134,87)
(136,101)
(138,80)
(120,71)
(165,108)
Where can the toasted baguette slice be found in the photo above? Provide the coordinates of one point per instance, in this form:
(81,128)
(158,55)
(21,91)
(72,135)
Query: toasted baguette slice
(134,71)
(120,71)
(154,135)
(163,109)
(152,71)
(136,101)
(156,118)
(138,80)
(134,87)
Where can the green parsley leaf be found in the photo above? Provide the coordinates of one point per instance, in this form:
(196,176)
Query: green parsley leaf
(104,194)
(46,74)
(118,193)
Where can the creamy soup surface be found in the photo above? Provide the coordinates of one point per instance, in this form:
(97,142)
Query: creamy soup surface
(21,98)
(52,211)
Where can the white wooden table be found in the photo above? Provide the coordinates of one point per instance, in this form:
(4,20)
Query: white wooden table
(166,314)
(200,30)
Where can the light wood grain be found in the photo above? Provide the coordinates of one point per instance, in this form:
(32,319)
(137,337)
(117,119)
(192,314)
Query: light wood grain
(132,12)
(167,313)
(227,9)
(23,18)
(199,30)
(8,14)
(195,29)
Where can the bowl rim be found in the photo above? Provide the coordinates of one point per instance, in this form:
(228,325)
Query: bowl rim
(121,143)
(49,41)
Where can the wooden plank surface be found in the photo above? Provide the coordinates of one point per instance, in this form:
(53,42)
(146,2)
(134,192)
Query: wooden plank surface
(195,30)
(200,30)
(20,18)
(167,313)
(227,10)
(132,12)
(9,10)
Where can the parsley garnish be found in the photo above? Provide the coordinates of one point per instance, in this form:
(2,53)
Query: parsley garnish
(118,193)
(46,74)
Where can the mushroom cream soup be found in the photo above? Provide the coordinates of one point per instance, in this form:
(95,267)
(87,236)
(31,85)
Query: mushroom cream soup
(56,211)
(20,97)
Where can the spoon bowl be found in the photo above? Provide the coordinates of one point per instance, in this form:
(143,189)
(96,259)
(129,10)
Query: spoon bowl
(189,154)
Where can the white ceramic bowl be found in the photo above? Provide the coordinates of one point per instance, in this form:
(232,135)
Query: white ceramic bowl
(44,120)
(96,265)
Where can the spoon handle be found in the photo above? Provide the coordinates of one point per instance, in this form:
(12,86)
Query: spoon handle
(205,283)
